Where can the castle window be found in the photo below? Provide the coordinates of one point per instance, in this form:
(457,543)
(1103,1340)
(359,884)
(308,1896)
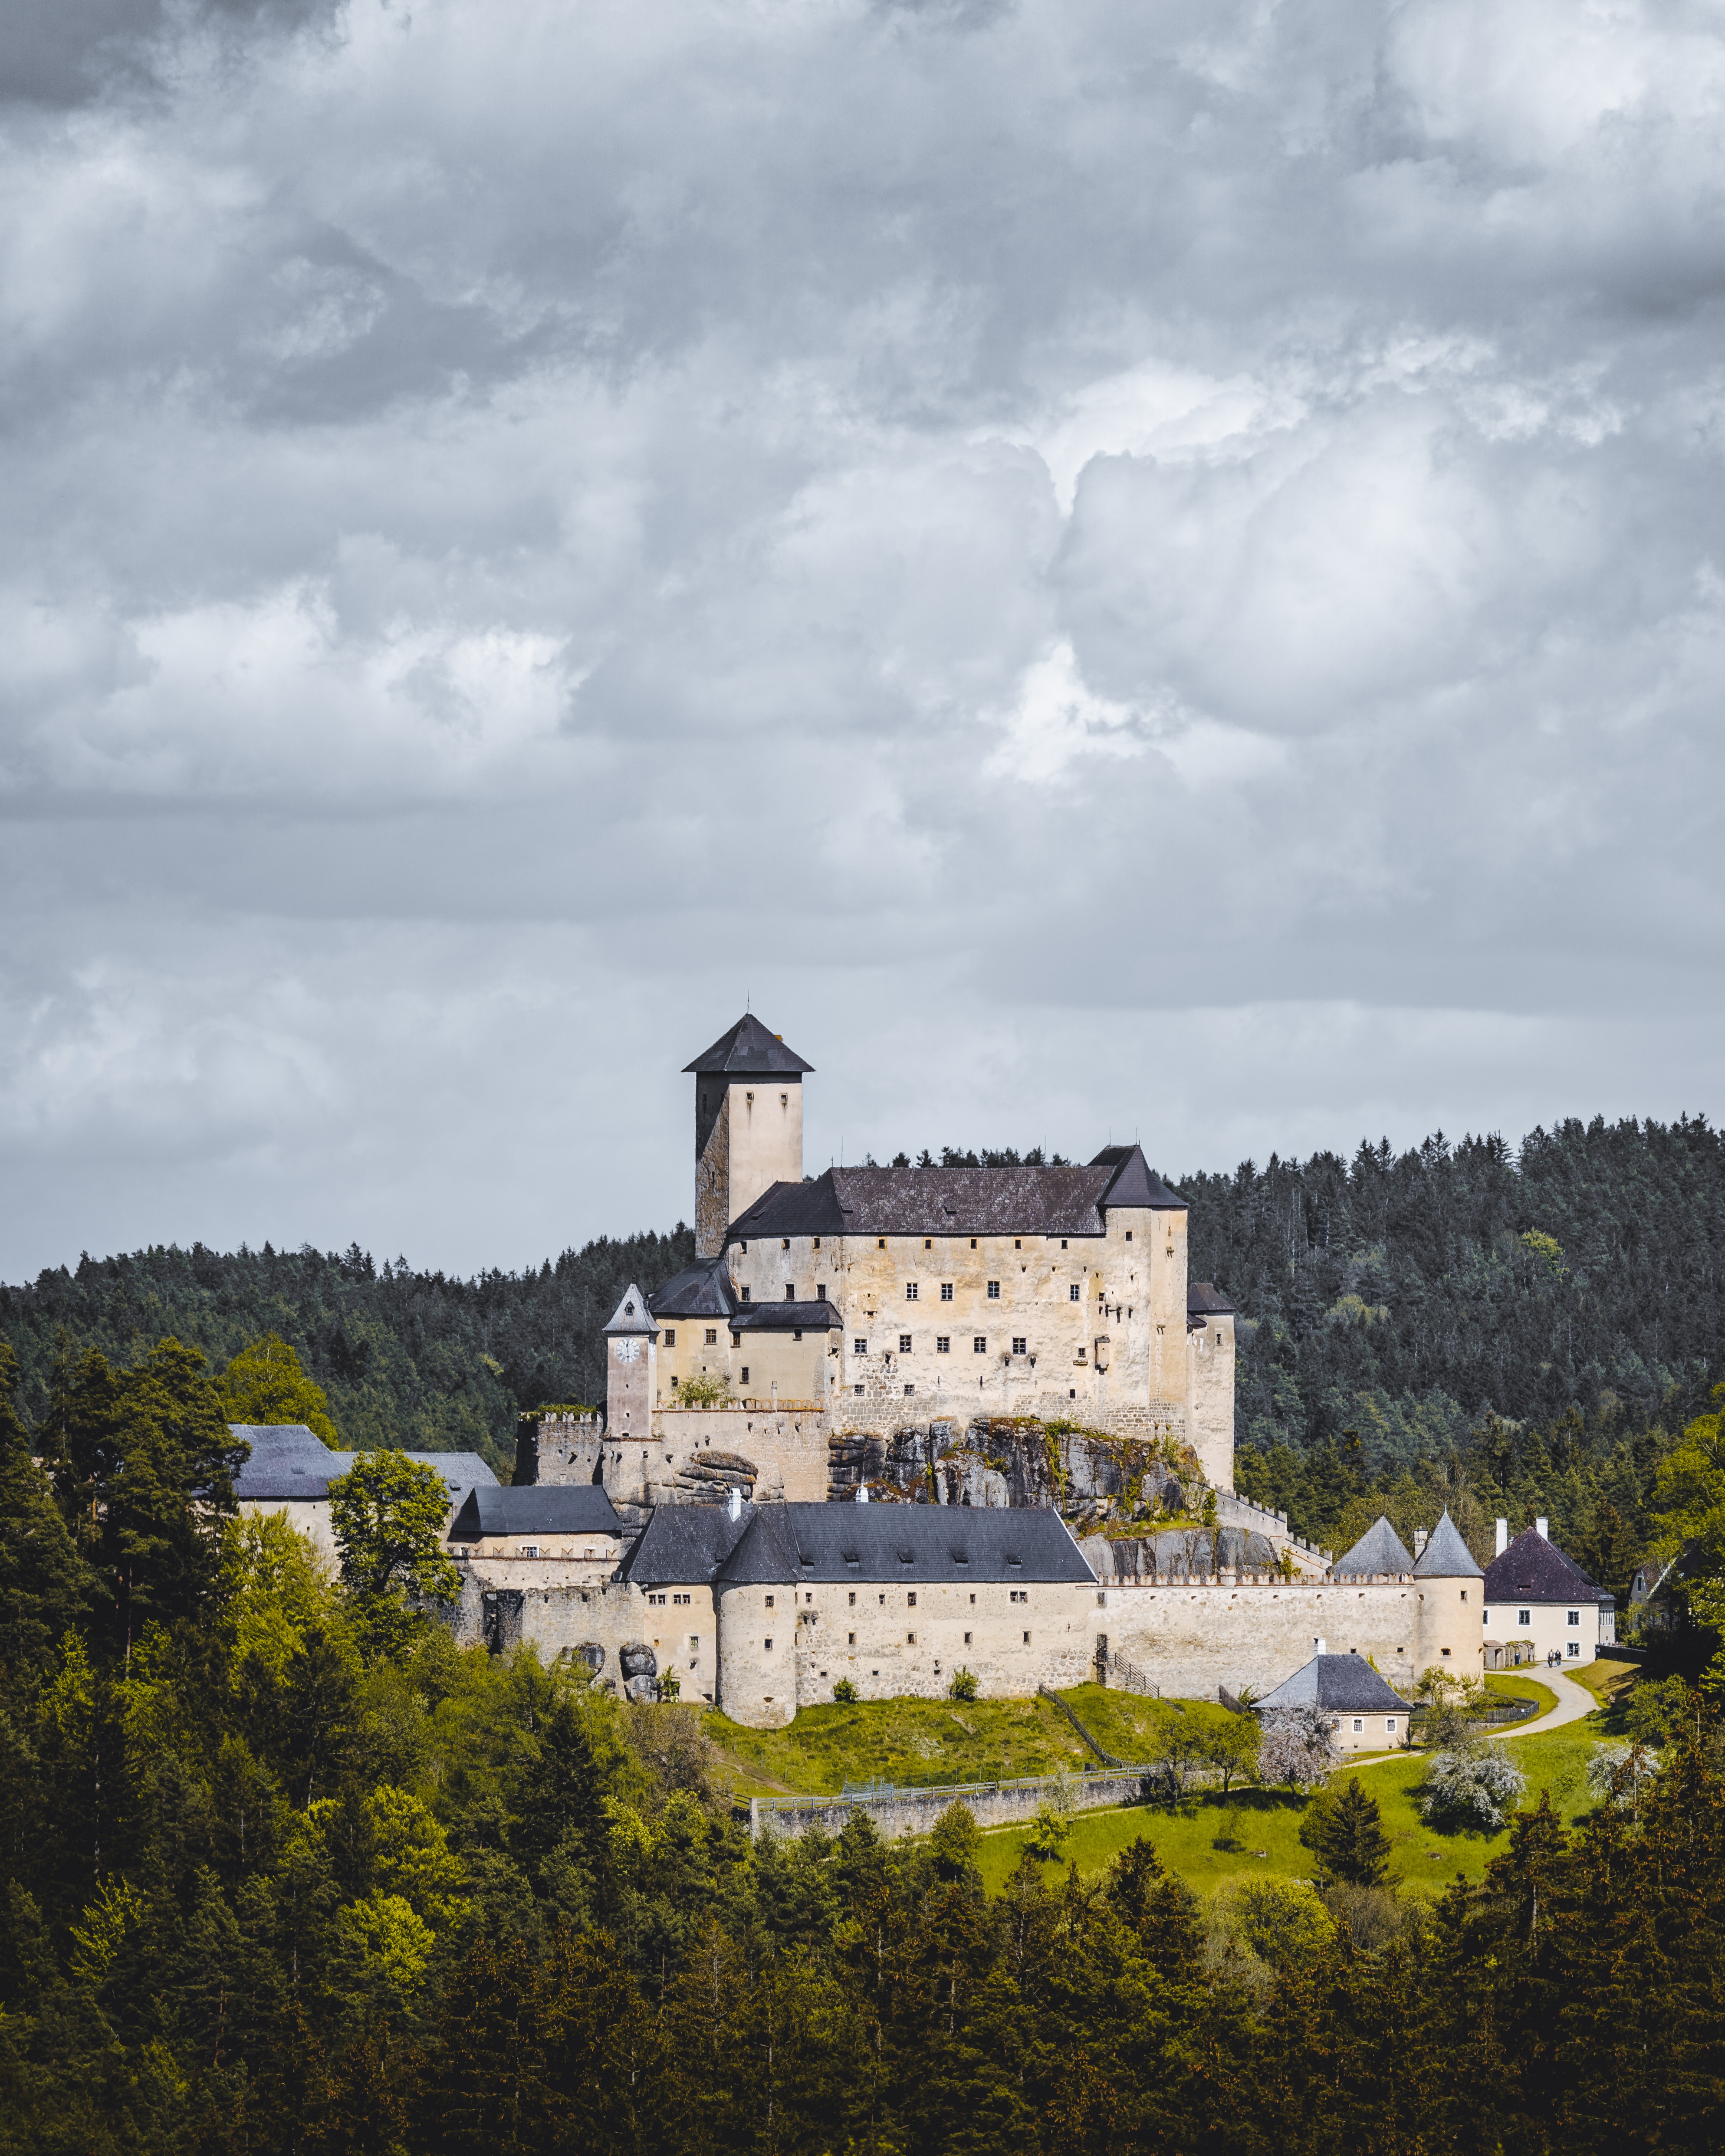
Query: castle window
(928,1242)
(769,1644)
(993,1291)
(910,1291)
(850,1637)
(670,1336)
(946,1290)
(979,1344)
(769,1602)
(817,1242)
(790,1292)
(1018,1343)
(911,1600)
(745,1374)
(973,1242)
(1524,1616)
(742,1246)
(1072,1292)
(784,1099)
(820,1290)
(1389,1723)
(881,1244)
(1574,1616)
(909,1639)
(1017,1242)
(852,1598)
(745,1295)
(910,1392)
(674,1385)
(1128,1238)
(859,1347)
(1063,1242)
(942,1343)
(1027,1638)
(785,1243)
(712,1336)
(904,1344)
(966,1639)
(1358,1724)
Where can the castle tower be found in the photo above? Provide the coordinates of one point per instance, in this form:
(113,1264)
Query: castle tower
(748,1126)
(631,1367)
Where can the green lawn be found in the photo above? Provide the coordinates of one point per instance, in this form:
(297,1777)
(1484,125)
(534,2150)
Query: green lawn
(926,1744)
(1258,1819)
(1511,1683)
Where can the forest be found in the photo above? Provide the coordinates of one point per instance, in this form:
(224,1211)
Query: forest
(1505,1330)
(284,1872)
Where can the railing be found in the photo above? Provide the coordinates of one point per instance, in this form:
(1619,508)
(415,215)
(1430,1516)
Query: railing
(1121,1676)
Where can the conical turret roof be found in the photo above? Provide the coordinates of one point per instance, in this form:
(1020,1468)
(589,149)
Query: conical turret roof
(750,1050)
(1380,1548)
(632,1314)
(1446,1556)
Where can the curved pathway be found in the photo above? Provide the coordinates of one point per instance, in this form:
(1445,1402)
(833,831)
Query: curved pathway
(1574,1702)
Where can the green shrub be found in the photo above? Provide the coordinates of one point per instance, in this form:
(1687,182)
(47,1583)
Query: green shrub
(963,1685)
(845,1692)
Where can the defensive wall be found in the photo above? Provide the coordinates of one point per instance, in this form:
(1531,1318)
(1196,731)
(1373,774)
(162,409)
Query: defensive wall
(899,1812)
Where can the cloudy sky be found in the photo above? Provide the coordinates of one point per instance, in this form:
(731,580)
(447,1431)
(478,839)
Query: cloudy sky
(1114,567)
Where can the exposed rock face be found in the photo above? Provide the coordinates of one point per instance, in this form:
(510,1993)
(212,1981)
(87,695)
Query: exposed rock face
(993,1462)
(1180,1553)
(641,1670)
(710,1477)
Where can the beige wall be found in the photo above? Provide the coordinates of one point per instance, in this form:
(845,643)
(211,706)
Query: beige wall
(632,1375)
(787,1447)
(754,1365)
(1549,1628)
(1116,1358)
(583,1558)
(559,1616)
(309,1516)
(1210,1368)
(755,1142)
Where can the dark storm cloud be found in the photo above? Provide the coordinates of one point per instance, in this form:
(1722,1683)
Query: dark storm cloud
(1112,565)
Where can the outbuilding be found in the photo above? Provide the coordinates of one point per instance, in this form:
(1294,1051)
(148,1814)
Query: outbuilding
(1540,1605)
(1364,1714)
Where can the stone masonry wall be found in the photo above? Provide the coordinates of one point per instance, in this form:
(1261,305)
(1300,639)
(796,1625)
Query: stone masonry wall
(562,1617)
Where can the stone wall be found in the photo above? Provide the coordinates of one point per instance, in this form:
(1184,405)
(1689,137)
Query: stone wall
(1210,1387)
(900,1813)
(506,1602)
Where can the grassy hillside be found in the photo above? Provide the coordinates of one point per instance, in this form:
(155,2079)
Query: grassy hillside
(926,1744)
(1214,1837)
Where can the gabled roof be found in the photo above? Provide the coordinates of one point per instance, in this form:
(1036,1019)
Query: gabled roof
(632,1315)
(1205,1301)
(685,1545)
(878,1545)
(748,1049)
(786,1317)
(544,1508)
(1380,1548)
(1446,1556)
(1135,1182)
(1341,1684)
(1533,1569)
(288,1460)
(702,1289)
(933,1201)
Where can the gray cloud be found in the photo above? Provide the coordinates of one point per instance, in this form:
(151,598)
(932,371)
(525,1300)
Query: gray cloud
(1111,567)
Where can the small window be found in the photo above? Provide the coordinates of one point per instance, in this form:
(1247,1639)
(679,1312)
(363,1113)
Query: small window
(742,1246)
(1027,1638)
(820,1290)
(1574,1616)
(909,1639)
(904,1344)
(785,1243)
(1072,1292)
(1575,1651)
(674,1385)
(745,1374)
(769,1602)
(928,1242)
(817,1242)
(910,1291)
(979,1343)
(942,1343)
(993,1291)
(1018,1344)
(973,1603)
(1445,1654)
(966,1639)
(769,1646)
(883,1601)
(946,1290)
(859,1347)
(528,1549)
(1389,1723)
(850,1637)
(670,1336)
(1359,1726)
(745,1295)
(712,1336)
(797,1332)
(881,1244)
(1524,1616)
(973,1242)
(911,1600)
(858,1391)
(790,1292)
(1128,1235)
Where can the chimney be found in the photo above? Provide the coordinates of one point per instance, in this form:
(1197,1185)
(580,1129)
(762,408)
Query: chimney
(1502,1537)
(1319,1647)
(1542,1527)
(1419,1543)
(736,1502)
(862,1493)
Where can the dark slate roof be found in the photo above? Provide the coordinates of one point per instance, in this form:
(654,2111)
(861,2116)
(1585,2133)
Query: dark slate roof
(878,1544)
(1380,1548)
(685,1545)
(1446,1556)
(702,1289)
(1204,1300)
(749,1049)
(950,1201)
(1341,1684)
(544,1508)
(632,1315)
(1533,1569)
(786,1317)
(1135,1182)
(288,1460)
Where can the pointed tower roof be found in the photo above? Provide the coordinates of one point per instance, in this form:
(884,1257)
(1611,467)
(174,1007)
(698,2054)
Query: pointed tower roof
(631,1315)
(749,1051)
(1134,1182)
(1380,1548)
(1446,1556)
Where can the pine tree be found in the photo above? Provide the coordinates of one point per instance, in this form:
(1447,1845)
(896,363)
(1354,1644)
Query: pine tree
(43,1585)
(1345,1834)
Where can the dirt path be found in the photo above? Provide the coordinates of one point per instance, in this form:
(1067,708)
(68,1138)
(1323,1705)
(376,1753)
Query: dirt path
(1574,1701)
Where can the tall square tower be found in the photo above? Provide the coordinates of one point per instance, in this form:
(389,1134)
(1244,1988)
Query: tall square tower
(748,1126)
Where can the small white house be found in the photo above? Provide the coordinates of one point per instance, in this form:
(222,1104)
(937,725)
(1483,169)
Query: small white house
(1541,1605)
(1364,1714)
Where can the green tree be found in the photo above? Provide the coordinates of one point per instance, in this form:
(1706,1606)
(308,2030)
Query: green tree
(264,1384)
(1345,1832)
(144,1464)
(43,1583)
(387,1512)
(1690,1496)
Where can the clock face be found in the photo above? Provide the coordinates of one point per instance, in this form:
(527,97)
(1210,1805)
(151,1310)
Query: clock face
(628,1351)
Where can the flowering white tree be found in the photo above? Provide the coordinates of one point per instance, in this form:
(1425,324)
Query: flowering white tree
(1475,1787)
(1295,1749)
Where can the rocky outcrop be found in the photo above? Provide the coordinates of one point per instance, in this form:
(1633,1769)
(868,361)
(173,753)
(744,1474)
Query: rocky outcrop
(1178,1553)
(994,1462)
(641,1670)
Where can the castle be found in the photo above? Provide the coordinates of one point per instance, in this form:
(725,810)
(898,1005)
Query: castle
(830,1321)
(869,1298)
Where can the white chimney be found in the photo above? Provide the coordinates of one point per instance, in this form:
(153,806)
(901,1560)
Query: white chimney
(1542,1527)
(862,1493)
(1419,1541)
(736,1502)
(1318,1647)
(1502,1537)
